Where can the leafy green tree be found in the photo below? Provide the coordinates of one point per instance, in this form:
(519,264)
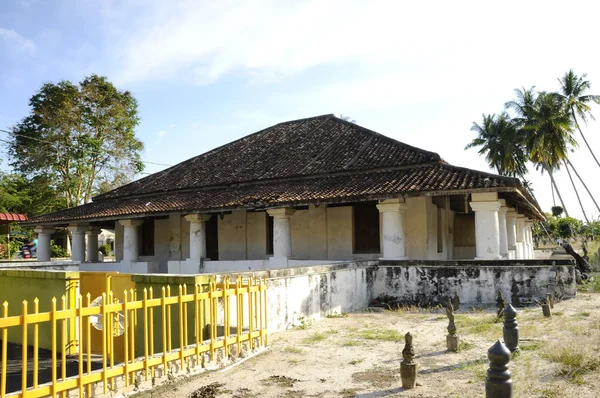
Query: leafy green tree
(14,196)
(76,136)
(574,95)
(568,227)
(500,143)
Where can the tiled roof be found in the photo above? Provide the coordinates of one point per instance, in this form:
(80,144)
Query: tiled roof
(311,161)
(6,218)
(319,145)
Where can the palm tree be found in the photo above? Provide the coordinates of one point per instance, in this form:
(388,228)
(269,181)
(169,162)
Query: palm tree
(574,95)
(500,144)
(546,130)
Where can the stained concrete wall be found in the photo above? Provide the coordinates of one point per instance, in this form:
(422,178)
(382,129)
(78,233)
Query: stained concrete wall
(314,292)
(475,282)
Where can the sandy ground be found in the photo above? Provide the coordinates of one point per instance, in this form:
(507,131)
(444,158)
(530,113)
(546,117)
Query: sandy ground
(358,355)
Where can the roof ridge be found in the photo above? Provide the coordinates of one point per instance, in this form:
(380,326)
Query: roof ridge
(387,138)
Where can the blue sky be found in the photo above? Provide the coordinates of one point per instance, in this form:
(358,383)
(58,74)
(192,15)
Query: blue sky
(207,72)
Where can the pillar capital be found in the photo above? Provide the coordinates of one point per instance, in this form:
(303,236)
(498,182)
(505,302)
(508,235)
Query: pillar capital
(283,212)
(485,206)
(503,210)
(44,230)
(511,213)
(391,205)
(94,231)
(131,223)
(197,217)
(78,228)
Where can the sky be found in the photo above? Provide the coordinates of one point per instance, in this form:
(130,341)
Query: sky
(208,72)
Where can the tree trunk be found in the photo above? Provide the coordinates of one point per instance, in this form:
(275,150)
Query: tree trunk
(583,183)
(557,192)
(576,192)
(582,265)
(583,136)
(553,197)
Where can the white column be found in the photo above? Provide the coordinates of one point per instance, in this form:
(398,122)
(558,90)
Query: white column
(511,233)
(529,238)
(197,235)
(43,249)
(92,244)
(392,219)
(487,230)
(520,238)
(130,239)
(282,233)
(78,241)
(502,229)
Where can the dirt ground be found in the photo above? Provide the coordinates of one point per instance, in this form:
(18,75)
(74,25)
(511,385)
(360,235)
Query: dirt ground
(359,354)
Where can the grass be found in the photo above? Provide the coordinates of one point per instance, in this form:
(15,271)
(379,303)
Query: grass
(380,334)
(356,361)
(352,343)
(315,338)
(574,359)
(336,315)
(464,346)
(293,350)
(478,324)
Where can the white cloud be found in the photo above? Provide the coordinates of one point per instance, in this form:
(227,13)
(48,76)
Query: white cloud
(15,44)
(162,133)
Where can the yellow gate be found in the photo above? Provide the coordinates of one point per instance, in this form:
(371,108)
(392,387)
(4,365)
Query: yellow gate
(96,283)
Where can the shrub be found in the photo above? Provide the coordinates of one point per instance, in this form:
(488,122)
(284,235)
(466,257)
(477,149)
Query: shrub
(106,249)
(58,251)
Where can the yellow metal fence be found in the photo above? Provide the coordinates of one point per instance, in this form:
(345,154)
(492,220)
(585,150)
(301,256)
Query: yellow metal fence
(159,330)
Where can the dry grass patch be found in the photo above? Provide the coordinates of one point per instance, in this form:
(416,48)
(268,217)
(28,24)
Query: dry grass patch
(378,377)
(380,334)
(315,338)
(574,359)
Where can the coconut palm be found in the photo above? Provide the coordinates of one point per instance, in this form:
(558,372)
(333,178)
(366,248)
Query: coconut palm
(574,95)
(546,129)
(500,144)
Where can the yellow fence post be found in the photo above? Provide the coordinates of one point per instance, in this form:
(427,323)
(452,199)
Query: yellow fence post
(4,350)
(145,316)
(24,351)
(54,337)
(180,302)
(36,343)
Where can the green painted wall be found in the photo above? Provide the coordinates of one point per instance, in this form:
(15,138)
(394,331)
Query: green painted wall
(157,282)
(19,285)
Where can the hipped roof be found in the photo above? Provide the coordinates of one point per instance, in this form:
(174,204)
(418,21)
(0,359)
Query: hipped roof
(319,160)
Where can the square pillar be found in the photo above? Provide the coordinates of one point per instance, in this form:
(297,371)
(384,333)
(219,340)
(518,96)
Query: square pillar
(78,241)
(529,238)
(502,229)
(197,235)
(130,239)
(520,221)
(43,249)
(393,214)
(92,244)
(487,230)
(282,233)
(511,233)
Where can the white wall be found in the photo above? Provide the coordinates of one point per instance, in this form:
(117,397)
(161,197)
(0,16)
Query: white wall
(256,235)
(232,236)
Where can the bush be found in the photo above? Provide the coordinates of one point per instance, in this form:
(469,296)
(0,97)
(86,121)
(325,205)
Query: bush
(106,249)
(58,251)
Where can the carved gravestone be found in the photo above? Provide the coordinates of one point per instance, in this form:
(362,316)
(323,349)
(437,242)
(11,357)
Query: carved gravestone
(550,300)
(451,338)
(546,310)
(408,368)
(498,383)
(511,328)
(456,302)
(500,304)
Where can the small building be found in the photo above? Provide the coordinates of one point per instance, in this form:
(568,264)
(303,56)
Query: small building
(310,191)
